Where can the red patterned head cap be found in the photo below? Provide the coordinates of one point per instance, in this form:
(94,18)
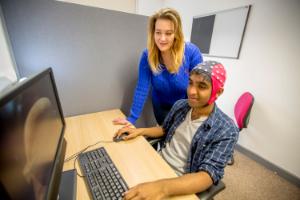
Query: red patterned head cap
(217,74)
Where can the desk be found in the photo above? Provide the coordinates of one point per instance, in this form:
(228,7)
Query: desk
(136,160)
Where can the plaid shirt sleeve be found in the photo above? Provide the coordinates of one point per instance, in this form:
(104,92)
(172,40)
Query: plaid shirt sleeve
(220,151)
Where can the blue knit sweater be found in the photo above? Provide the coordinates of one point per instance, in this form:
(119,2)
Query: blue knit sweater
(167,88)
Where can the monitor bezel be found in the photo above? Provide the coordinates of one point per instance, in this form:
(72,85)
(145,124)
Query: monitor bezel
(58,161)
(15,89)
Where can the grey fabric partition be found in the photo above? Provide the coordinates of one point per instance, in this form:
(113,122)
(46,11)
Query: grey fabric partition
(94,52)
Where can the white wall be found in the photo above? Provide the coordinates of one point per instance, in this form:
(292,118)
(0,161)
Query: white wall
(268,67)
(119,5)
(146,7)
(6,62)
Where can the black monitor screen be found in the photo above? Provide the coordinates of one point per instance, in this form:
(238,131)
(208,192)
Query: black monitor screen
(31,130)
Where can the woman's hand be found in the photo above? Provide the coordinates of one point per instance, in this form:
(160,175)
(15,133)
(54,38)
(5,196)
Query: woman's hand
(120,121)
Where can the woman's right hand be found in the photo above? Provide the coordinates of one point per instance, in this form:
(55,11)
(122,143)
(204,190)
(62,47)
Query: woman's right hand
(131,132)
(120,121)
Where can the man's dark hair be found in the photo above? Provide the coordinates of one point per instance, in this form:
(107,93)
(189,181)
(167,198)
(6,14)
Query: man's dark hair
(204,74)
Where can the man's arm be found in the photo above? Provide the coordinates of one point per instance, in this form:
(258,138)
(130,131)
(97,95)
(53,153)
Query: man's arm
(186,184)
(153,132)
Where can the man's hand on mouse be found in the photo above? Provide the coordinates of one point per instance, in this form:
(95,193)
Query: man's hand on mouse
(132,132)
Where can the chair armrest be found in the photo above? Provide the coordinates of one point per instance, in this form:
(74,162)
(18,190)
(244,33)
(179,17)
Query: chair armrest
(154,142)
(211,192)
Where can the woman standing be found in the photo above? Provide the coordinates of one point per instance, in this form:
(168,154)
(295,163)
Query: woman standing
(164,66)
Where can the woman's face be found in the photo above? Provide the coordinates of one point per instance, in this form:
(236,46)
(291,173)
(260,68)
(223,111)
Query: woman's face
(164,34)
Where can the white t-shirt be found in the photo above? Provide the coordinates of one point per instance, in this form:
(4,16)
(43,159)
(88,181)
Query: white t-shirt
(176,151)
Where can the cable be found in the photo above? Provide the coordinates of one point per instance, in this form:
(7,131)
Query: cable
(75,155)
(84,149)
(74,165)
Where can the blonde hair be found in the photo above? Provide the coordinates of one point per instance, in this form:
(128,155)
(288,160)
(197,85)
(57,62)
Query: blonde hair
(177,49)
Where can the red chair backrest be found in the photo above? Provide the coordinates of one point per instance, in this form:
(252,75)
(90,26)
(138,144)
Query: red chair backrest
(242,109)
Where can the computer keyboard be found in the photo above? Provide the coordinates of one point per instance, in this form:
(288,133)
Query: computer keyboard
(101,175)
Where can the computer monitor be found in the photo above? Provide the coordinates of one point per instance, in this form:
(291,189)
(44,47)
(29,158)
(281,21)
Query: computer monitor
(32,146)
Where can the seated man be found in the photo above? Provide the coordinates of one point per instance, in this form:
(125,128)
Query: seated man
(198,138)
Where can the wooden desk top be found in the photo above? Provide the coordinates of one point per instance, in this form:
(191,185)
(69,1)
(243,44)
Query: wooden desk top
(136,160)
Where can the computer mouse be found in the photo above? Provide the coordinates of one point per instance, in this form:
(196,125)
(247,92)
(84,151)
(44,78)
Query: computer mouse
(120,137)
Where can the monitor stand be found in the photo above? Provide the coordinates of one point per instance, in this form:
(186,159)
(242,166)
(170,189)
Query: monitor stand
(68,185)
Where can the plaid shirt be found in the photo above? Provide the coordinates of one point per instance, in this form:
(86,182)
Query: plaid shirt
(212,144)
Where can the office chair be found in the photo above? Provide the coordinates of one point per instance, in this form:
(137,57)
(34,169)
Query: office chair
(242,110)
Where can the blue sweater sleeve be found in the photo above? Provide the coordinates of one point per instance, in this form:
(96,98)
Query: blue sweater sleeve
(141,90)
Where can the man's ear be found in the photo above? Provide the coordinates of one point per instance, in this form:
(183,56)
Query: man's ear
(220,92)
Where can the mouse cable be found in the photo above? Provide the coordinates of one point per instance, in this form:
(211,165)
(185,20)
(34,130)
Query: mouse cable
(74,166)
(84,149)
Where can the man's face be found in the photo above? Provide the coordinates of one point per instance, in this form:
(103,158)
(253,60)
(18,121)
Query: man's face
(198,91)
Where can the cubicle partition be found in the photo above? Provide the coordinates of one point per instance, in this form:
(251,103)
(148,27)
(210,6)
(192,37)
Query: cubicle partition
(94,52)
